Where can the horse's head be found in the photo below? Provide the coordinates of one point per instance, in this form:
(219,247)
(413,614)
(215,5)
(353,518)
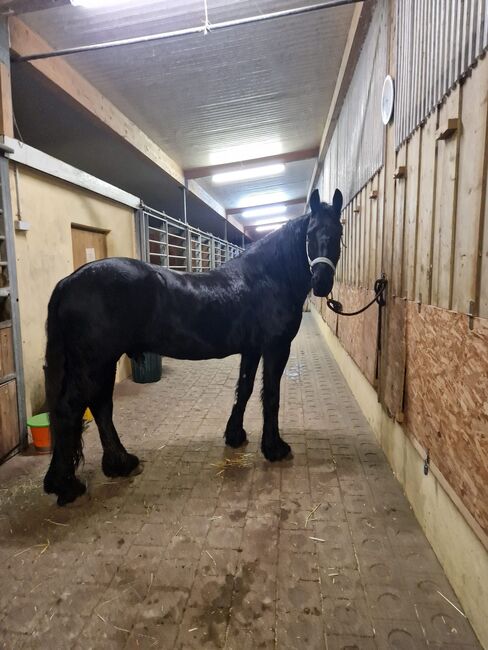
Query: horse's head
(324,241)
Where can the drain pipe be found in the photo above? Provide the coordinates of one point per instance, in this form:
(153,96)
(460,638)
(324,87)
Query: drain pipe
(201,29)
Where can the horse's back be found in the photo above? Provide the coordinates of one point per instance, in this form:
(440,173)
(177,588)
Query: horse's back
(104,303)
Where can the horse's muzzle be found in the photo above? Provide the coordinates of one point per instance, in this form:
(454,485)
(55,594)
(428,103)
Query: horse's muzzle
(322,280)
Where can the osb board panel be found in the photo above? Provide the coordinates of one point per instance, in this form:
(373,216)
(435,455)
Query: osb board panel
(9,423)
(445,208)
(472,154)
(446,405)
(358,333)
(393,356)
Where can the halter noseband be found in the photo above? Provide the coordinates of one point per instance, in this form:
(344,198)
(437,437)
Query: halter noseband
(319,260)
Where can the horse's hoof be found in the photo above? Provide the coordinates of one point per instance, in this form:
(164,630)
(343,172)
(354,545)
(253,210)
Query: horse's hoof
(236,438)
(277,451)
(67,491)
(120,465)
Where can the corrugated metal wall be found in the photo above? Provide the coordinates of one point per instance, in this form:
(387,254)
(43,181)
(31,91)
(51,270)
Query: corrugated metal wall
(437,42)
(356,149)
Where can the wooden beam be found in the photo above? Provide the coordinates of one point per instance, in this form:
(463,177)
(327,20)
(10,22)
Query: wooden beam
(6,112)
(359,23)
(302,199)
(292,156)
(58,72)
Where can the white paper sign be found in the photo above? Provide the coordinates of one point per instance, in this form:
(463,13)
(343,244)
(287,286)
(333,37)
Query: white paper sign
(90,254)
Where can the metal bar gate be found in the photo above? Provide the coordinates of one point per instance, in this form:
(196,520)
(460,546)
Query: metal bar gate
(171,243)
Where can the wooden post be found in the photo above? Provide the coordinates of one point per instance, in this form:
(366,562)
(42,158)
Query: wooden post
(6,112)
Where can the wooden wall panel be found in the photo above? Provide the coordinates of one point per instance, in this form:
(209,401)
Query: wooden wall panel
(484,259)
(446,408)
(398,225)
(367,237)
(362,235)
(347,239)
(472,154)
(9,420)
(374,232)
(393,357)
(380,210)
(411,215)
(429,233)
(357,241)
(426,197)
(328,315)
(445,203)
(358,333)
(7,365)
(388,207)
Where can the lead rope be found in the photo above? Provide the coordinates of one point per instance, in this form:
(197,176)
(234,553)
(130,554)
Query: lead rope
(380,298)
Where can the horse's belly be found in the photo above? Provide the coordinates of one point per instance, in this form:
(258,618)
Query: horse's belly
(197,350)
(199,344)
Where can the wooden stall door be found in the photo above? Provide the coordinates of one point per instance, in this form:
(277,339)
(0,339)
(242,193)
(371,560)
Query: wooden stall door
(9,420)
(88,245)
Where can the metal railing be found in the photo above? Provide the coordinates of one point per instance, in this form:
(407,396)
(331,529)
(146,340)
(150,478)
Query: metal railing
(171,243)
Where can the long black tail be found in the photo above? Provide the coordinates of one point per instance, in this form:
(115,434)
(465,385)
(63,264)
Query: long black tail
(56,371)
(54,368)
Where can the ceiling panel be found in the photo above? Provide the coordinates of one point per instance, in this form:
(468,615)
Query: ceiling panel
(261,89)
(263,83)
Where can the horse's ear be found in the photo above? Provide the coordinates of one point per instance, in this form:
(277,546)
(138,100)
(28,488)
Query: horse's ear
(337,202)
(315,201)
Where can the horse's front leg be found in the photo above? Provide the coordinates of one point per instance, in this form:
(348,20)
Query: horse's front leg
(235,435)
(274,360)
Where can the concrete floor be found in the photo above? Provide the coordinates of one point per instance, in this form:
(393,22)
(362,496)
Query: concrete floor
(321,551)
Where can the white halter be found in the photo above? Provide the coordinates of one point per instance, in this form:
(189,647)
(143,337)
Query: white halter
(319,260)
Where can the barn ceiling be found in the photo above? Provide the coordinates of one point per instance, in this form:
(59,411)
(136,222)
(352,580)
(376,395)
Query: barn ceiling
(225,97)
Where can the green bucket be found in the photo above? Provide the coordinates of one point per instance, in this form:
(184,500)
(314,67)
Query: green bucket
(40,432)
(147,368)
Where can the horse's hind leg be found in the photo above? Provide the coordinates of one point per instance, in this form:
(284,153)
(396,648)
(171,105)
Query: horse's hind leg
(235,436)
(274,362)
(66,423)
(116,461)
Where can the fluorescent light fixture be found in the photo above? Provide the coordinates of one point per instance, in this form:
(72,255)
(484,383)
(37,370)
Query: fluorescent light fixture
(264,211)
(247,174)
(261,200)
(245,152)
(96,4)
(273,226)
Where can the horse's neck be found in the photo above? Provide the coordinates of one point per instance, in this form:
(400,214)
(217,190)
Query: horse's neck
(293,267)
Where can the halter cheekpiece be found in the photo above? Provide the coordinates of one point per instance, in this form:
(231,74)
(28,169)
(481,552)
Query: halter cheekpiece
(319,260)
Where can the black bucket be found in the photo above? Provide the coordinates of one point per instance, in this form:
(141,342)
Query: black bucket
(147,368)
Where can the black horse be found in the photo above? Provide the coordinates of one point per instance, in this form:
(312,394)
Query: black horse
(251,306)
